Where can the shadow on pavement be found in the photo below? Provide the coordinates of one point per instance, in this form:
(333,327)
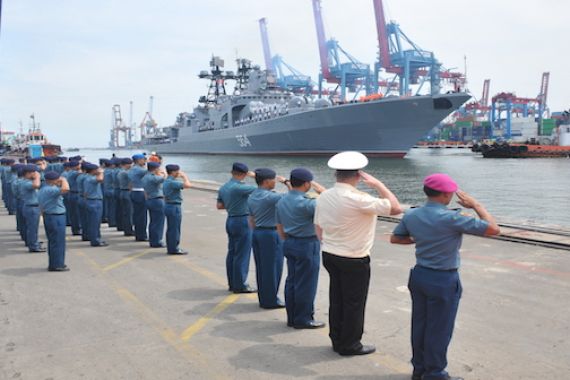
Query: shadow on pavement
(23,272)
(251,331)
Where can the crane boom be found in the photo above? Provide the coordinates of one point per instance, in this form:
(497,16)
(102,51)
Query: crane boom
(321,38)
(382,33)
(265,43)
(485,96)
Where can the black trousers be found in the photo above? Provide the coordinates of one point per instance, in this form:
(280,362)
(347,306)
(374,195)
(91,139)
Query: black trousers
(349,281)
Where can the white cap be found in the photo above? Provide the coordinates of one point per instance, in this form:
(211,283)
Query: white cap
(348,161)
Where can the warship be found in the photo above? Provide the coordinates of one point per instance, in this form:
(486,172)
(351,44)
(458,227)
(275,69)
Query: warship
(260,118)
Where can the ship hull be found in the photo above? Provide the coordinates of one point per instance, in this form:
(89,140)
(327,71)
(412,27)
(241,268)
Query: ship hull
(386,128)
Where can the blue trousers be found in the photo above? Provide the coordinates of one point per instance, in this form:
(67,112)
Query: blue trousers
(55,231)
(117,210)
(32,217)
(268,255)
(139,214)
(94,212)
(303,261)
(435,299)
(126,208)
(110,207)
(11,205)
(81,203)
(20,219)
(173,213)
(73,212)
(66,205)
(156,224)
(239,251)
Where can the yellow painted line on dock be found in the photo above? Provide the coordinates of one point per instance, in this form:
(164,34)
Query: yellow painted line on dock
(201,323)
(126,260)
(200,270)
(154,321)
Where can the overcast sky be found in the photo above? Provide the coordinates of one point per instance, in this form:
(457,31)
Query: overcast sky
(69,61)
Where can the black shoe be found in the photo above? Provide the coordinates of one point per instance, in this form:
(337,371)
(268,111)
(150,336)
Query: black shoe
(39,250)
(137,239)
(100,244)
(311,325)
(364,350)
(62,269)
(178,252)
(84,239)
(76,234)
(278,305)
(158,246)
(247,289)
(129,234)
(104,221)
(417,377)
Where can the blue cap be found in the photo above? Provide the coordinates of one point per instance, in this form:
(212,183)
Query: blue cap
(115,161)
(69,164)
(50,176)
(103,161)
(239,167)
(75,158)
(17,168)
(63,158)
(30,168)
(10,161)
(152,165)
(91,166)
(2,160)
(84,165)
(264,173)
(126,161)
(138,157)
(302,174)
(172,168)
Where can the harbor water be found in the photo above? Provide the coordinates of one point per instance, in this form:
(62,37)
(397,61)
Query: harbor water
(533,191)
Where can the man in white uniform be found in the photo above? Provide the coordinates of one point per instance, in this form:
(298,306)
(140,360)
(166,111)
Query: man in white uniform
(346,224)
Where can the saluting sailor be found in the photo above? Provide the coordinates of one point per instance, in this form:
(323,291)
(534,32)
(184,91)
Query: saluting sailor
(136,174)
(20,224)
(346,224)
(125,206)
(81,201)
(8,178)
(94,203)
(434,282)
(232,197)
(31,210)
(294,217)
(53,211)
(173,186)
(73,197)
(117,193)
(266,242)
(152,184)
(109,192)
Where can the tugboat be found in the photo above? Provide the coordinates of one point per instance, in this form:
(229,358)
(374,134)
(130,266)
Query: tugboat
(261,118)
(32,144)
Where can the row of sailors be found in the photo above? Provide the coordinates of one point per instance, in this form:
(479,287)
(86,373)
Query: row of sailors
(121,192)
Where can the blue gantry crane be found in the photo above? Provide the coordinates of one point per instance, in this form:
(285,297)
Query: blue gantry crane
(337,65)
(287,76)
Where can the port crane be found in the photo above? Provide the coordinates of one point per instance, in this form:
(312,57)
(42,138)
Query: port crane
(337,65)
(412,65)
(287,76)
(118,128)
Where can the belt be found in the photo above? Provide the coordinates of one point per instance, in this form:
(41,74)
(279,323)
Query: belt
(302,237)
(94,199)
(437,270)
(173,203)
(34,205)
(156,198)
(54,214)
(137,189)
(124,189)
(237,216)
(74,192)
(266,228)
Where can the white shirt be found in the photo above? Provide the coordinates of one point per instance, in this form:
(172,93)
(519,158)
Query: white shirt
(347,217)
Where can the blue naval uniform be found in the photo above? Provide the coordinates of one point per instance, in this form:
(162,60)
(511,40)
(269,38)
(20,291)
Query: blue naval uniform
(73,202)
(173,211)
(82,207)
(31,214)
(117,199)
(53,209)
(136,174)
(152,185)
(233,195)
(65,174)
(434,282)
(20,222)
(93,208)
(109,196)
(295,213)
(9,177)
(267,246)
(125,205)
(2,175)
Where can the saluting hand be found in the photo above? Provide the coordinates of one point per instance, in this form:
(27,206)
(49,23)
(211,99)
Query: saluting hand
(466,200)
(251,174)
(370,180)
(280,179)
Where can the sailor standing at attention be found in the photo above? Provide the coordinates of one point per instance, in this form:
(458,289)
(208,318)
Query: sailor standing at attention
(51,204)
(266,242)
(31,210)
(81,201)
(173,186)
(117,193)
(94,203)
(8,178)
(434,282)
(125,206)
(294,217)
(73,197)
(152,184)
(109,192)
(67,168)
(345,220)
(232,197)
(18,199)
(136,174)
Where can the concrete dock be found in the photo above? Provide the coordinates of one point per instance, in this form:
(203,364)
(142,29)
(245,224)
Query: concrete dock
(130,312)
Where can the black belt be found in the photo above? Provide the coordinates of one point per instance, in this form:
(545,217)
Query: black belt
(156,198)
(54,214)
(94,199)
(74,192)
(302,237)
(237,216)
(34,205)
(266,228)
(124,189)
(437,270)
(173,203)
